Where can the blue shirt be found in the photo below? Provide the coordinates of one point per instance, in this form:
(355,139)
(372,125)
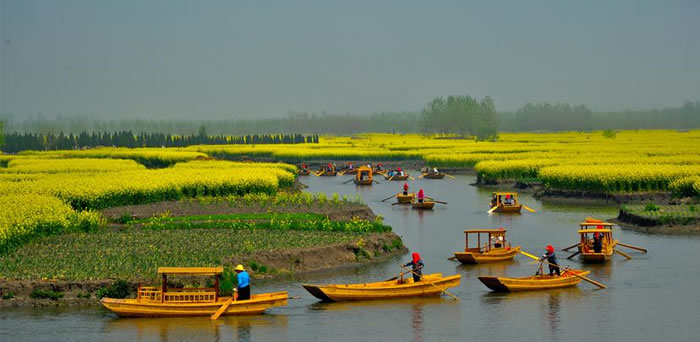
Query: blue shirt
(243,279)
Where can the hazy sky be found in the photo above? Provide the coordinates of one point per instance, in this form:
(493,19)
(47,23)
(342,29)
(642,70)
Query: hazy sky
(219,59)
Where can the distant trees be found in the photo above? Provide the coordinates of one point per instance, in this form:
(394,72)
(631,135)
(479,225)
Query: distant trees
(2,124)
(16,142)
(462,115)
(554,117)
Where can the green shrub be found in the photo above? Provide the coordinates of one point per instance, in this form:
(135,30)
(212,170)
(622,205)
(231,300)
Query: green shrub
(118,289)
(8,295)
(45,294)
(651,207)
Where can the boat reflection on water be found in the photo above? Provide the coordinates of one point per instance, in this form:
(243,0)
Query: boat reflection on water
(226,328)
(417,322)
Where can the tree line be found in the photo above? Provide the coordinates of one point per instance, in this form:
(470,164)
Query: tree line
(16,142)
(461,115)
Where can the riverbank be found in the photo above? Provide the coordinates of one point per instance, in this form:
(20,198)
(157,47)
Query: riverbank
(274,236)
(661,219)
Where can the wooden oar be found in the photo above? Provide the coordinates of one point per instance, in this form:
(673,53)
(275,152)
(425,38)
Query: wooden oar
(570,247)
(375,181)
(342,172)
(570,272)
(443,290)
(411,178)
(422,175)
(528,208)
(348,181)
(573,255)
(450,176)
(320,172)
(390,178)
(632,247)
(452,258)
(390,197)
(492,209)
(223,308)
(622,253)
(436,201)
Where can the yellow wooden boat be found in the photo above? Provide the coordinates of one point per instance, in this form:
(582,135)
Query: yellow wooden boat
(397,177)
(533,283)
(430,285)
(587,231)
(405,199)
(363,176)
(164,302)
(423,205)
(499,201)
(496,249)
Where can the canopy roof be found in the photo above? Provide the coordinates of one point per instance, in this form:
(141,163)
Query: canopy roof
(201,271)
(364,168)
(593,231)
(504,193)
(497,230)
(591,224)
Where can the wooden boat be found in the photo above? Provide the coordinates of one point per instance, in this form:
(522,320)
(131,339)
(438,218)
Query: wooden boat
(587,231)
(304,172)
(325,173)
(164,302)
(533,283)
(495,250)
(397,177)
(350,171)
(405,199)
(438,175)
(363,176)
(498,200)
(430,285)
(423,205)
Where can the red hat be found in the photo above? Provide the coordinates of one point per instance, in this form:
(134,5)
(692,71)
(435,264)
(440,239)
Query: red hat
(416,257)
(550,249)
(405,186)
(398,169)
(507,196)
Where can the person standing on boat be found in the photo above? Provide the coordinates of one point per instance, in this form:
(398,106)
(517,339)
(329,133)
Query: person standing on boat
(399,171)
(303,167)
(405,189)
(552,260)
(597,243)
(243,287)
(417,266)
(421,196)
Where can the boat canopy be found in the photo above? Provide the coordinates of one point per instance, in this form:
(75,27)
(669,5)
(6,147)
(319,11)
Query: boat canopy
(504,193)
(594,231)
(200,271)
(593,224)
(497,230)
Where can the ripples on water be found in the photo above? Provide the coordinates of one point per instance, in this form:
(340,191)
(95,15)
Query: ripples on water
(651,297)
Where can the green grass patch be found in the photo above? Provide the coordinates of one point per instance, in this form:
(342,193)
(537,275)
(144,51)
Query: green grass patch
(45,294)
(665,214)
(136,254)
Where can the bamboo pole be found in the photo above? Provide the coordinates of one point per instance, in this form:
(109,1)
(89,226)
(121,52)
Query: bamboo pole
(443,290)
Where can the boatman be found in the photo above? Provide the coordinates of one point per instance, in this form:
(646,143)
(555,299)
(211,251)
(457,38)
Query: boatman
(405,189)
(552,260)
(417,266)
(303,167)
(243,287)
(421,196)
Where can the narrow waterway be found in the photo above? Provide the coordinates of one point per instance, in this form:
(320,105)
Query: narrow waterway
(651,297)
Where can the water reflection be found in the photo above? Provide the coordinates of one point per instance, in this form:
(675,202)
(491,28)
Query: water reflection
(242,328)
(417,322)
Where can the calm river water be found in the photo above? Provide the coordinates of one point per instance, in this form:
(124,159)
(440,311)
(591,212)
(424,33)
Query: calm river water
(651,297)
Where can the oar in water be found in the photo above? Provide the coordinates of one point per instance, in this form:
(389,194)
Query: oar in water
(443,290)
(436,201)
(411,178)
(449,176)
(422,175)
(632,247)
(223,308)
(320,172)
(573,255)
(570,272)
(390,178)
(348,181)
(452,258)
(528,208)
(388,198)
(492,209)
(341,173)
(622,253)
(570,247)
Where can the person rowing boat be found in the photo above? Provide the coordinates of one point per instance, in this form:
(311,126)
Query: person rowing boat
(417,266)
